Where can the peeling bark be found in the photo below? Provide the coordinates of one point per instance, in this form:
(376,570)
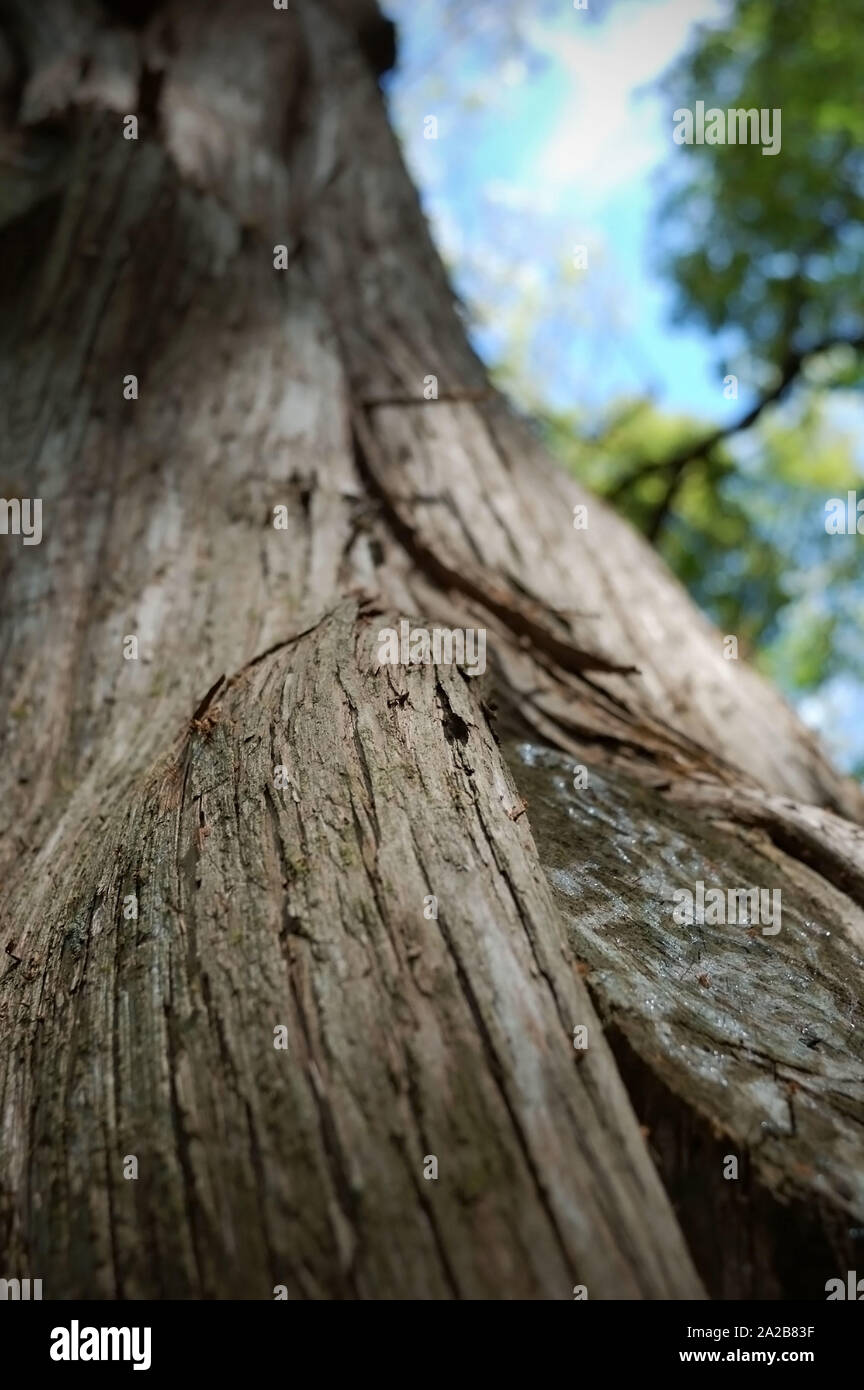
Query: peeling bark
(262,905)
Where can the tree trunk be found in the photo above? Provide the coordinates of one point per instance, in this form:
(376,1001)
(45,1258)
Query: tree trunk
(296,906)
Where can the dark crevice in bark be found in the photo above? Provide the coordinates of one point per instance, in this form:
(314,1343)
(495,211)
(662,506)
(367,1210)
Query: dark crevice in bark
(428,1208)
(498,1073)
(135,13)
(259,1170)
(826,843)
(483,592)
(193,1210)
(822,858)
(745,1241)
(455,728)
(150,84)
(332,1148)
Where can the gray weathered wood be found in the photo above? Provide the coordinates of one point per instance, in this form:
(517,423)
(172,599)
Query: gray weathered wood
(261,906)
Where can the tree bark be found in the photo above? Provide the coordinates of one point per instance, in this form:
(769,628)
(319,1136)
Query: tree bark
(297,901)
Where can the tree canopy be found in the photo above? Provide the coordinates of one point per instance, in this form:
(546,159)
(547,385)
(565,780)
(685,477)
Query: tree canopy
(765,256)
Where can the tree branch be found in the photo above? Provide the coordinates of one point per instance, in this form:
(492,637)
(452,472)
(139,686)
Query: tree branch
(676,465)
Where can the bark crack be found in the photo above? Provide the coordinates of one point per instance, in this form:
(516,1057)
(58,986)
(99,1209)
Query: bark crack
(504,605)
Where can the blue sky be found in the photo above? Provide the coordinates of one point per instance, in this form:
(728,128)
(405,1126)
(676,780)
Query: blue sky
(553,133)
(535,157)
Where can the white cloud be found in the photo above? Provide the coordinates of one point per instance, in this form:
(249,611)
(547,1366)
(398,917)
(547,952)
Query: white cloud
(608,132)
(518,197)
